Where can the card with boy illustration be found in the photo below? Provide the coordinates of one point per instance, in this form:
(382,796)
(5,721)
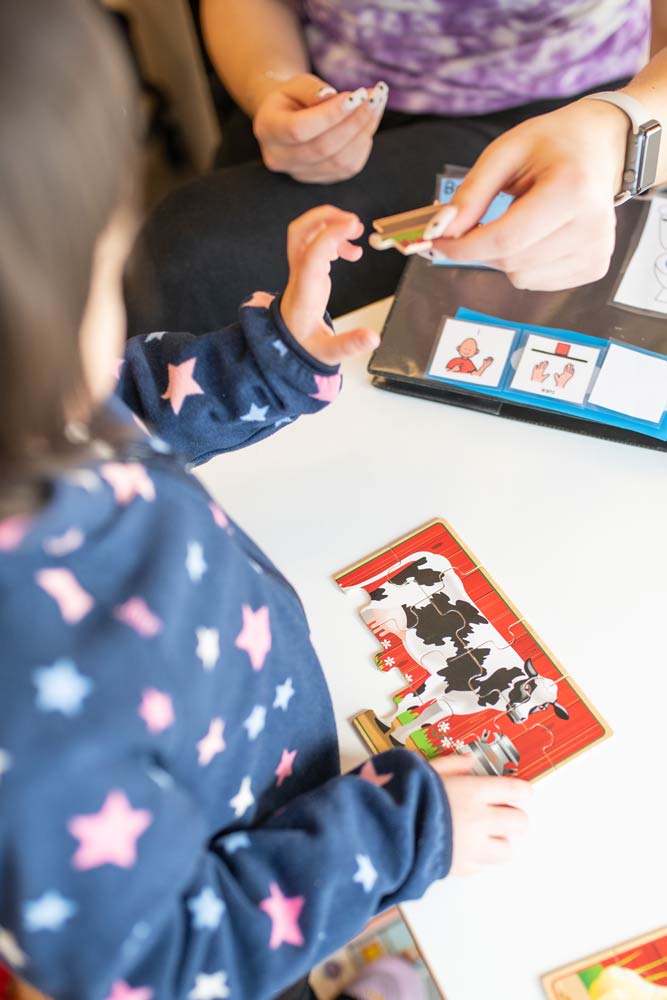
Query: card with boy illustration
(634,970)
(477,678)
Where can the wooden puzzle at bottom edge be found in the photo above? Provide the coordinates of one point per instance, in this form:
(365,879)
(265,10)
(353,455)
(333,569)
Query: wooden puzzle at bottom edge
(634,970)
(476,678)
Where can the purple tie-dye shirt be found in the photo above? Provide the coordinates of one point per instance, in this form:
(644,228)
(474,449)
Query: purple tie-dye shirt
(471,57)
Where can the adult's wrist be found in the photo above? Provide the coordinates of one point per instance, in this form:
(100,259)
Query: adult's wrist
(613,126)
(264,82)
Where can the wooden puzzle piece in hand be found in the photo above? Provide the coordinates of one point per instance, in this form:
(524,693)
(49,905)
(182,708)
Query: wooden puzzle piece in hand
(478,678)
(404,232)
(634,970)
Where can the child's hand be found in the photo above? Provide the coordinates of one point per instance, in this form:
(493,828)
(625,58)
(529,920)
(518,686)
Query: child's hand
(486,813)
(313,241)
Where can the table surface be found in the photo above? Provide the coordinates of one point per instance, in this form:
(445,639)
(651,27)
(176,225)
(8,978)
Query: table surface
(574,530)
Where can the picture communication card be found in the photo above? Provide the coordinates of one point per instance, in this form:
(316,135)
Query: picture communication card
(476,678)
(634,970)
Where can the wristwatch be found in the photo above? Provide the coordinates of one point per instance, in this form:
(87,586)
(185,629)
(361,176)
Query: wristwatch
(641,159)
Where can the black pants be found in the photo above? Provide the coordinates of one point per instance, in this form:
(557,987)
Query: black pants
(221,236)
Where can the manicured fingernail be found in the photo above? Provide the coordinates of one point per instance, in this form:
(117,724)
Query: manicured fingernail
(378,97)
(439,222)
(326,92)
(355,100)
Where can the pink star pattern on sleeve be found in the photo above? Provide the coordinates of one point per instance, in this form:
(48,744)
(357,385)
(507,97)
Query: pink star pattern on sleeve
(284,769)
(121,991)
(328,387)
(255,636)
(12,532)
(157,710)
(259,300)
(128,480)
(72,600)
(181,384)
(109,837)
(284,913)
(136,614)
(213,743)
(368,773)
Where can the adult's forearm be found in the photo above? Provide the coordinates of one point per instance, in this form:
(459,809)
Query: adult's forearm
(650,87)
(253,44)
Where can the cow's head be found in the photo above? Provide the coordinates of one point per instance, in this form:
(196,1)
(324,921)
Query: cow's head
(534,694)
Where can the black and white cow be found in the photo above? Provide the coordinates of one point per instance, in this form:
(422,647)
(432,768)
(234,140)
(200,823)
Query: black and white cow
(471,668)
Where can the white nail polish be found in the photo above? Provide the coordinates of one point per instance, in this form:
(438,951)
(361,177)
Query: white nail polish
(378,98)
(439,222)
(355,100)
(326,92)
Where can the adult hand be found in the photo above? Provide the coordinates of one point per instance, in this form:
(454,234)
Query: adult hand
(564,169)
(314,240)
(486,813)
(305,129)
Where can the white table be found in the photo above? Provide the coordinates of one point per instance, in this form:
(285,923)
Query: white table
(575,531)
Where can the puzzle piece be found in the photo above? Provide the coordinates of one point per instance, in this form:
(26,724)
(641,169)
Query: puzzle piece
(634,970)
(405,231)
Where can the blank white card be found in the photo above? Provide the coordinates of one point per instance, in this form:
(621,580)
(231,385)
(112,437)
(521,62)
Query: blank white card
(632,383)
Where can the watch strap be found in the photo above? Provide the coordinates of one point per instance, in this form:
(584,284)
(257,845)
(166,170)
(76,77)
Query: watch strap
(633,108)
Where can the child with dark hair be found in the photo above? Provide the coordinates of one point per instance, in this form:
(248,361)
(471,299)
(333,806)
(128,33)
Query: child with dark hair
(173,822)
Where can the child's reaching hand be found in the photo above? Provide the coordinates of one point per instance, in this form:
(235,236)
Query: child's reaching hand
(314,240)
(486,813)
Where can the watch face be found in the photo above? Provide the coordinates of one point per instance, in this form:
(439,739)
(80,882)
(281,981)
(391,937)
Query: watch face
(648,168)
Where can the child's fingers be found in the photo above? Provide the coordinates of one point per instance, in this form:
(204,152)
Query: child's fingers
(506,791)
(330,243)
(333,349)
(305,228)
(453,764)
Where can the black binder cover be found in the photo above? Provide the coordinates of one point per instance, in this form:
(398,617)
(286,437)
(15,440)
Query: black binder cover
(426,293)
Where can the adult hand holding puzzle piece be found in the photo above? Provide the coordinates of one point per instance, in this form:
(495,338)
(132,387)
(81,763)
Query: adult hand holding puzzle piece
(564,170)
(306,129)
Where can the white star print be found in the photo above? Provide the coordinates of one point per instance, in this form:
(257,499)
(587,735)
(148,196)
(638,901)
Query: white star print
(213,987)
(233,842)
(5,762)
(365,875)
(280,347)
(389,661)
(283,694)
(49,912)
(206,909)
(161,777)
(208,646)
(195,562)
(386,643)
(256,414)
(243,798)
(61,688)
(85,478)
(10,951)
(155,336)
(255,721)
(283,420)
